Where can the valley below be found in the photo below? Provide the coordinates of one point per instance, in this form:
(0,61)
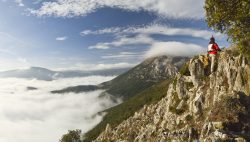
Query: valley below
(29,112)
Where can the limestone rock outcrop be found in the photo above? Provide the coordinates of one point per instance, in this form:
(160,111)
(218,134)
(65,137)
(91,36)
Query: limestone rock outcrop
(199,106)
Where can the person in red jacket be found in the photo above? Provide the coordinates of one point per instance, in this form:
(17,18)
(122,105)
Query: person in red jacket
(213,49)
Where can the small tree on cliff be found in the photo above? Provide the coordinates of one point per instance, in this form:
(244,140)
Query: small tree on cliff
(72,136)
(231,17)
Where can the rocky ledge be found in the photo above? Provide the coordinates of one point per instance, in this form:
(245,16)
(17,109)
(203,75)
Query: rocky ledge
(199,106)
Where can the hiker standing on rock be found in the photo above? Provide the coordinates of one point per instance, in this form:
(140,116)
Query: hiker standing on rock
(213,49)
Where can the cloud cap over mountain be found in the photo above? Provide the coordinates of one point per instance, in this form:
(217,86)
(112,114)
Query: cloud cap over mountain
(174,49)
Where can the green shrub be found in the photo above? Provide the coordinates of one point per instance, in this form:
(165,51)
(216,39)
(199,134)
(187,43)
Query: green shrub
(189,117)
(175,102)
(184,70)
(71,136)
(226,110)
(245,48)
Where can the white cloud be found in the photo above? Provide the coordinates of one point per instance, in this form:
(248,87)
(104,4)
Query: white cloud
(105,45)
(142,36)
(123,55)
(155,29)
(171,31)
(112,30)
(174,49)
(20,2)
(37,1)
(102,31)
(39,116)
(61,38)
(166,8)
(23,60)
(123,40)
(94,67)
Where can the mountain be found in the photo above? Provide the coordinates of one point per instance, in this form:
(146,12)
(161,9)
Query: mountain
(33,72)
(195,106)
(135,87)
(48,75)
(77,89)
(144,75)
(115,115)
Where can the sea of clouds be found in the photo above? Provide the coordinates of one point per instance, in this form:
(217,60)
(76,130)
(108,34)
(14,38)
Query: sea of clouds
(39,116)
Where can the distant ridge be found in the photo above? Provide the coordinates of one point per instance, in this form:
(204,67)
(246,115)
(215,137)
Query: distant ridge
(144,75)
(40,73)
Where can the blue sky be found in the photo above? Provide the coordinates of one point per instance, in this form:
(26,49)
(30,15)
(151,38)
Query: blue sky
(99,34)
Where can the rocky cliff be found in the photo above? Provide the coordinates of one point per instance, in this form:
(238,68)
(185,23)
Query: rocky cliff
(199,106)
(136,88)
(144,75)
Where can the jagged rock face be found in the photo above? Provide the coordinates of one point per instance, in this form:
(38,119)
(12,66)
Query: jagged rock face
(200,107)
(144,75)
(158,68)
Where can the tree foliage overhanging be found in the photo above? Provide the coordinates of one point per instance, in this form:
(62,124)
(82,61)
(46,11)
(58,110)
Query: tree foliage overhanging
(231,17)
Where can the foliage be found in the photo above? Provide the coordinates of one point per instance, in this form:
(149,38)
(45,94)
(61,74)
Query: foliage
(226,110)
(189,85)
(123,111)
(189,117)
(231,17)
(184,70)
(72,136)
(176,111)
(126,86)
(175,102)
(245,47)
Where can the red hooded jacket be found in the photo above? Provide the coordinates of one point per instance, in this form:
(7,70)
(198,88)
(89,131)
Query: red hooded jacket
(213,48)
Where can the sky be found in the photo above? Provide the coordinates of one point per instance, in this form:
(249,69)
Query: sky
(89,34)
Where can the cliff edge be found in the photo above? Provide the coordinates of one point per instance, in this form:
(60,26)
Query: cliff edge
(199,106)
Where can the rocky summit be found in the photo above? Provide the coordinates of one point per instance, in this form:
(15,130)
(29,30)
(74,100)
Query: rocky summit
(199,106)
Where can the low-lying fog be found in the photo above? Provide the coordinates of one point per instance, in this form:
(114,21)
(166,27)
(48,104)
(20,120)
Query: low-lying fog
(39,116)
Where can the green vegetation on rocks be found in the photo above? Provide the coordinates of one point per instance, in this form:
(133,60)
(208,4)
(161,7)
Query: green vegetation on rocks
(123,111)
(184,70)
(72,136)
